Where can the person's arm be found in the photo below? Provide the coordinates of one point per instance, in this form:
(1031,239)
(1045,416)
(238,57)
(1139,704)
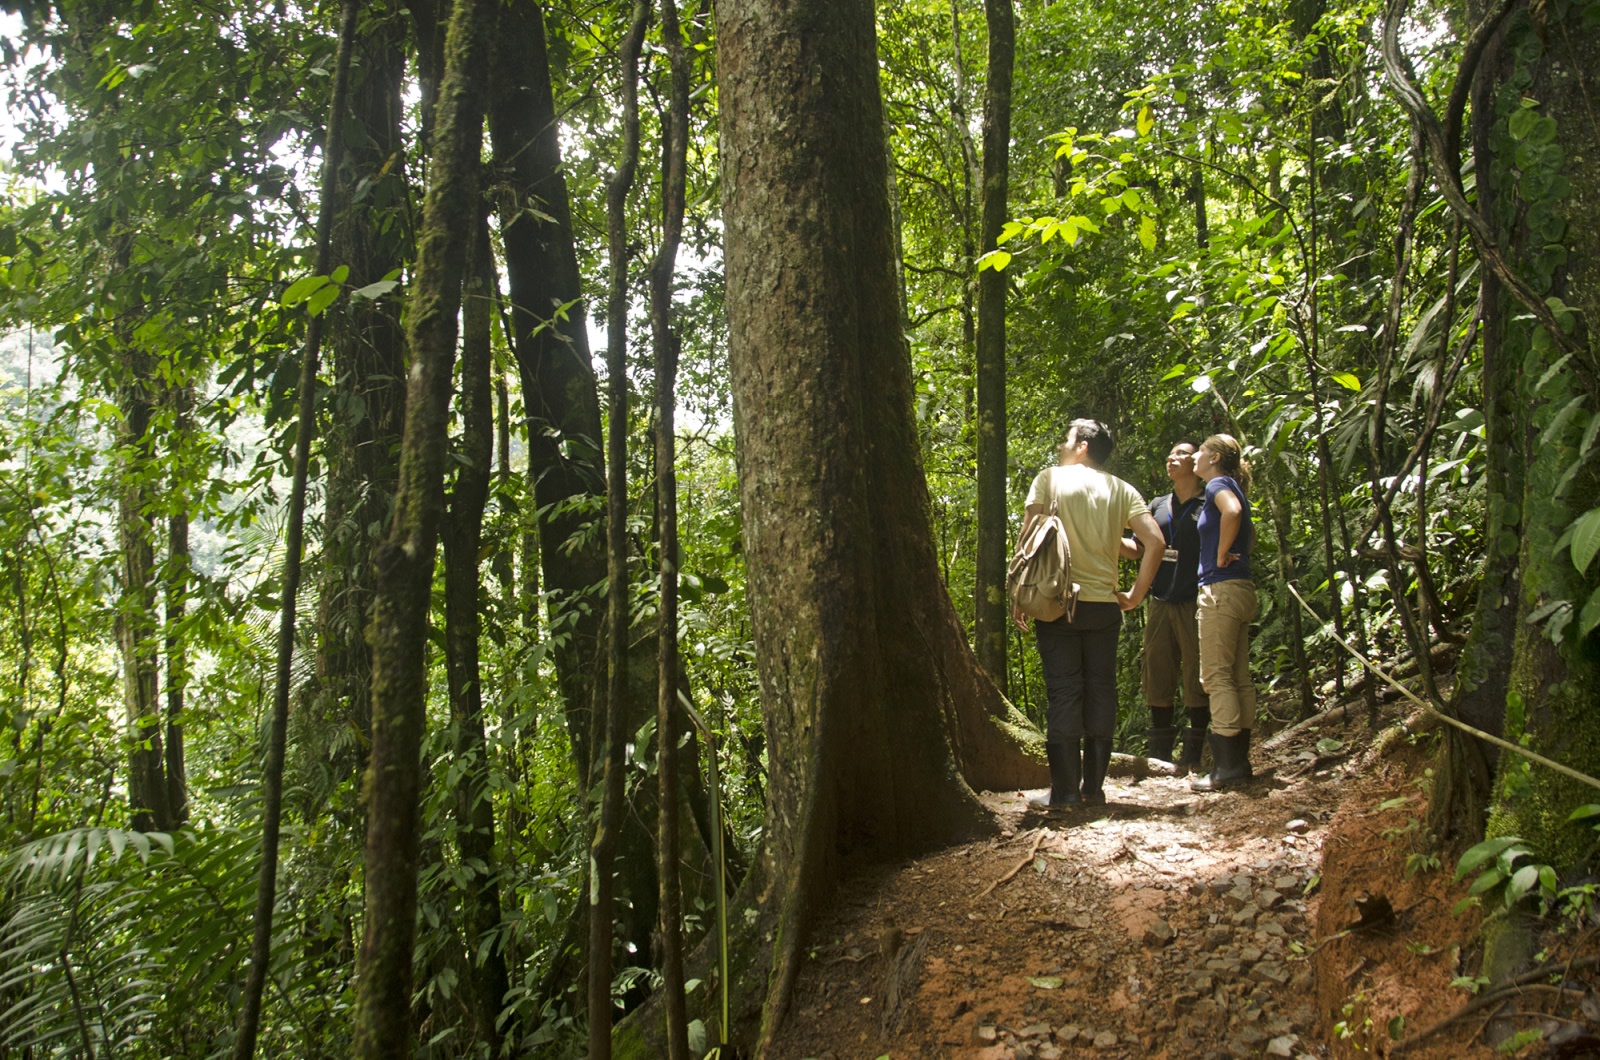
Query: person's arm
(1029,514)
(1232,513)
(1130,548)
(1149,534)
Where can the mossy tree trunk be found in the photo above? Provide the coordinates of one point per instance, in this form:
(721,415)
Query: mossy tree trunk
(1541,150)
(399,640)
(362,426)
(1543,153)
(463,539)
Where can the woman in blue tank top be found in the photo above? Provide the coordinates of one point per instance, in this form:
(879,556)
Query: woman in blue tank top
(1227,606)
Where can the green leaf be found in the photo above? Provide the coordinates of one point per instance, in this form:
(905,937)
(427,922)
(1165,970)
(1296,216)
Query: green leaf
(1488,880)
(1146,121)
(1584,812)
(323,298)
(1485,851)
(1347,380)
(375,290)
(1523,880)
(302,289)
(1147,232)
(995,259)
(1585,539)
(1523,121)
(1589,617)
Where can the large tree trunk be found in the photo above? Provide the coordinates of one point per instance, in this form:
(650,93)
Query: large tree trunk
(405,562)
(552,350)
(1543,206)
(992,611)
(862,661)
(1555,668)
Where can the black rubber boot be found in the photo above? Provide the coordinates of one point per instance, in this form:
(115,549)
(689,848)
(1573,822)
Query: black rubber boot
(1066,769)
(1194,740)
(1231,763)
(1162,735)
(1096,760)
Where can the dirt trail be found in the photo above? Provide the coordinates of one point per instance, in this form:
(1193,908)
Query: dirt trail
(1289,919)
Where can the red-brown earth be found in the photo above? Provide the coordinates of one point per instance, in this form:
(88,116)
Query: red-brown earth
(1302,916)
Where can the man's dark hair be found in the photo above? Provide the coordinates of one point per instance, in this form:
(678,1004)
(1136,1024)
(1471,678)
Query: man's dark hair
(1098,435)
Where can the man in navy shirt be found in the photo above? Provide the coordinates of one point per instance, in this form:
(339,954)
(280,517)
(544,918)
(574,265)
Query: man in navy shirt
(1171,643)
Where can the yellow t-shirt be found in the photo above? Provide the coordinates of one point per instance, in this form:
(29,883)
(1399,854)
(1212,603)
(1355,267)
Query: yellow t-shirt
(1095,508)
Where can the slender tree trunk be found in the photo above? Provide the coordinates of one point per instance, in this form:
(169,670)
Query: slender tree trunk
(405,562)
(668,713)
(1465,770)
(992,610)
(177,591)
(294,545)
(463,540)
(612,735)
(370,228)
(136,626)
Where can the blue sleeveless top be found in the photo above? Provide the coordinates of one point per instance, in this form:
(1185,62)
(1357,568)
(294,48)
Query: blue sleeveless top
(1211,530)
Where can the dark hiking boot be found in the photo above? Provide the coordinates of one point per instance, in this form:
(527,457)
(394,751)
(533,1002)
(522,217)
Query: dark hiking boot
(1194,741)
(1162,734)
(1066,768)
(1160,743)
(1230,757)
(1096,760)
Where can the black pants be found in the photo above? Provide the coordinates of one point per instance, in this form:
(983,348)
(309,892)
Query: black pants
(1080,671)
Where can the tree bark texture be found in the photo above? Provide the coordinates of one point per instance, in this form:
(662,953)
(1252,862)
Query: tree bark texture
(993,612)
(669,716)
(177,593)
(1555,674)
(136,616)
(405,561)
(552,350)
(862,661)
(1466,766)
(371,235)
(463,539)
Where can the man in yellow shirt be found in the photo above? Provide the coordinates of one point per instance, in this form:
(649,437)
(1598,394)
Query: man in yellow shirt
(1078,652)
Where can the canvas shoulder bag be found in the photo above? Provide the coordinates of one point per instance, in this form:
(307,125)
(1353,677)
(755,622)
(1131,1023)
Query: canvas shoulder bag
(1039,578)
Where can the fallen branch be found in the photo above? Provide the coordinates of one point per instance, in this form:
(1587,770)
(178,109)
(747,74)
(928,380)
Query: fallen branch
(1038,837)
